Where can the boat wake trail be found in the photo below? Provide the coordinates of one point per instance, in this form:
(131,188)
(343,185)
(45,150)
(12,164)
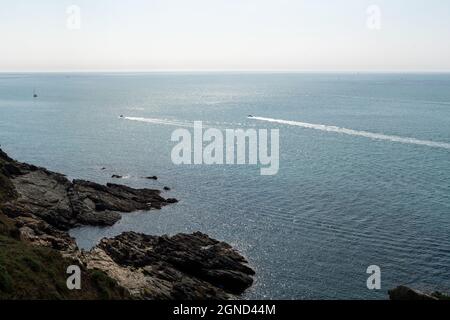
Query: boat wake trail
(160,121)
(352,132)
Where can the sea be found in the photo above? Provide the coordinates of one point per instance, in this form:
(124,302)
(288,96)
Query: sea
(363,180)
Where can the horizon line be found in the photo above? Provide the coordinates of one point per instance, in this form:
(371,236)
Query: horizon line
(281,71)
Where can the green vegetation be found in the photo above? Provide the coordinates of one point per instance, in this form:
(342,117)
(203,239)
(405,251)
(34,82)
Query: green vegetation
(32,272)
(6,226)
(29,272)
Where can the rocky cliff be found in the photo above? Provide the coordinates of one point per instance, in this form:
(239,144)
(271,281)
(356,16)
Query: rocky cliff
(40,206)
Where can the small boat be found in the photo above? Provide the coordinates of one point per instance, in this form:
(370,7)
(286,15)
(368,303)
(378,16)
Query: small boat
(250,116)
(35,94)
(121,116)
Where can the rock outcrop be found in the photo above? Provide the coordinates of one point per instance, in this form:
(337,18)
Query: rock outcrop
(406,293)
(185,266)
(67,204)
(44,205)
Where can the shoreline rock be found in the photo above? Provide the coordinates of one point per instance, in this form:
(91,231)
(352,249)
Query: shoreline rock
(406,293)
(45,205)
(182,267)
(67,204)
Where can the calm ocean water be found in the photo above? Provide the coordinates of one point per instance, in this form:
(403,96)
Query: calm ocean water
(341,201)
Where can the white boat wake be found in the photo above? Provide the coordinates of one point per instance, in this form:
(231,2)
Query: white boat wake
(352,132)
(161,121)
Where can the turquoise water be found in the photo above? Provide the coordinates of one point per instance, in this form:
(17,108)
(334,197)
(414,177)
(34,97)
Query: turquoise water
(340,202)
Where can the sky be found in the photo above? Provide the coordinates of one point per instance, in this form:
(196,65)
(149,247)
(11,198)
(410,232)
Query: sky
(211,35)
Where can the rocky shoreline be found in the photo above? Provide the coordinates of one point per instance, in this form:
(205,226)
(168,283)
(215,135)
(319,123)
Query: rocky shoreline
(38,208)
(43,205)
(402,293)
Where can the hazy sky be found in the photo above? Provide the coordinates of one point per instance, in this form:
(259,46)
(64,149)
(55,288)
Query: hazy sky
(310,35)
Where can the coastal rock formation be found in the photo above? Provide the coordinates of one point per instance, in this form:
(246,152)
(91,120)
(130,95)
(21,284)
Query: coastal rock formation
(37,232)
(185,266)
(406,293)
(65,204)
(42,206)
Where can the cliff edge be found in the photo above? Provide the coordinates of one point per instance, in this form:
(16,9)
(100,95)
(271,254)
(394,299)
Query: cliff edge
(38,207)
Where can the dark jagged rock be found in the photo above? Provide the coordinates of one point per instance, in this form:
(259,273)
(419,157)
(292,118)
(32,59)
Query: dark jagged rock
(406,293)
(44,205)
(40,233)
(11,170)
(64,204)
(166,189)
(185,266)
(119,198)
(4,156)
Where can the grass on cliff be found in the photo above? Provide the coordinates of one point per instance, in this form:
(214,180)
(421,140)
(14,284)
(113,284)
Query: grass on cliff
(37,273)
(29,272)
